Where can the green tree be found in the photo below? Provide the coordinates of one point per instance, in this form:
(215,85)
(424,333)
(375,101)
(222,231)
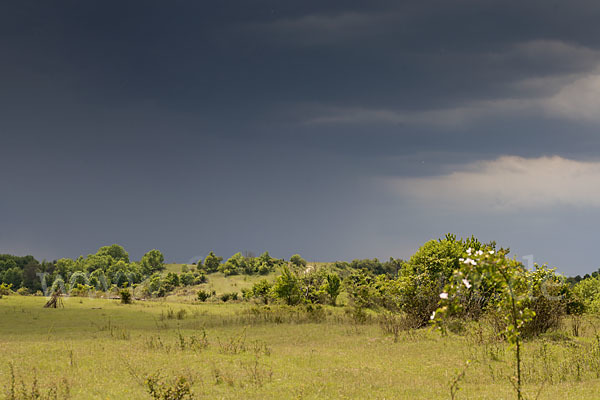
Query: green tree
(13,276)
(155,285)
(333,287)
(212,262)
(30,278)
(172,279)
(298,261)
(588,292)
(115,251)
(187,278)
(260,290)
(98,280)
(234,265)
(65,267)
(287,287)
(152,261)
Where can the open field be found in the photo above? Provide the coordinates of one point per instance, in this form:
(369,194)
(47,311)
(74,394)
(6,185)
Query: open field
(100,349)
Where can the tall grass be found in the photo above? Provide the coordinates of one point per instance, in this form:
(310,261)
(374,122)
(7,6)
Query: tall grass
(101,349)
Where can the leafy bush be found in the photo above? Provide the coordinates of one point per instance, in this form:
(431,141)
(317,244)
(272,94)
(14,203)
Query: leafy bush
(424,276)
(172,280)
(23,291)
(203,295)
(200,278)
(374,266)
(333,287)
(156,286)
(588,292)
(229,296)
(260,290)
(162,390)
(287,287)
(80,290)
(548,298)
(187,279)
(298,261)
(5,289)
(212,262)
(526,303)
(125,295)
(152,261)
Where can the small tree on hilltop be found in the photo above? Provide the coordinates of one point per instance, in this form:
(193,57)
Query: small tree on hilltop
(298,261)
(212,262)
(153,261)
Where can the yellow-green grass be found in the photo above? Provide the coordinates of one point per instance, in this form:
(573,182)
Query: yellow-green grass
(218,283)
(105,350)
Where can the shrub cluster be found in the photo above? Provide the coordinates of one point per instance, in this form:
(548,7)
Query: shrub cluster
(309,286)
(239,264)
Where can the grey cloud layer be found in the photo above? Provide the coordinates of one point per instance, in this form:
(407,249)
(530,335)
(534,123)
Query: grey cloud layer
(220,120)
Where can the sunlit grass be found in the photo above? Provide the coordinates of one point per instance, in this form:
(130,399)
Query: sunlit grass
(105,350)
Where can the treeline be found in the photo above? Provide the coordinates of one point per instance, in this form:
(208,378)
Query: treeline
(109,266)
(441,270)
(22,272)
(239,264)
(410,287)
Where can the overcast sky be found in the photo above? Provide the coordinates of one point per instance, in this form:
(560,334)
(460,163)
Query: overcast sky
(339,131)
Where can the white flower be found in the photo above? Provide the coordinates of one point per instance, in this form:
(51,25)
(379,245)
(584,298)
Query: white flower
(443,295)
(469,250)
(470,261)
(479,252)
(467,284)
(432,315)
(461,259)
(491,251)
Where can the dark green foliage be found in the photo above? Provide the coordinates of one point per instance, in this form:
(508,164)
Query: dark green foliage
(260,290)
(240,264)
(235,265)
(287,287)
(377,267)
(548,298)
(152,261)
(333,287)
(229,296)
(125,295)
(115,251)
(587,293)
(312,283)
(297,261)
(172,279)
(415,292)
(200,278)
(13,276)
(212,262)
(156,286)
(203,295)
(187,279)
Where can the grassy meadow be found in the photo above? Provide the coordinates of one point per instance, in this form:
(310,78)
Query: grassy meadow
(101,349)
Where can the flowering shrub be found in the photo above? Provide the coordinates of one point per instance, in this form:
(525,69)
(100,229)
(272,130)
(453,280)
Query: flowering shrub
(528,302)
(415,292)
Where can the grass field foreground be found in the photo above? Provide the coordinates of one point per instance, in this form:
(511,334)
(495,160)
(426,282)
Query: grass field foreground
(100,349)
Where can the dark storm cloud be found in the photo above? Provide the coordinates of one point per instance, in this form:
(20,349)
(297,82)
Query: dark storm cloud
(228,125)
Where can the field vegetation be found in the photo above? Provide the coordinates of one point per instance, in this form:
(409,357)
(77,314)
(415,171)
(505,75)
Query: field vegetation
(459,319)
